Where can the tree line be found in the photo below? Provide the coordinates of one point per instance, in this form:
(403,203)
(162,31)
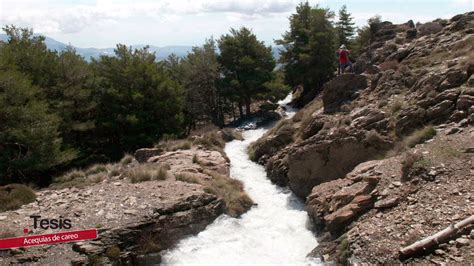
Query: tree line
(59,111)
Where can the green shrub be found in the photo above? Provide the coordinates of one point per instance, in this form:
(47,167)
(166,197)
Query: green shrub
(113,253)
(413,164)
(13,196)
(343,252)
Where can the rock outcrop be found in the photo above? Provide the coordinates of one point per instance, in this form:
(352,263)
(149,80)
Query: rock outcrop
(181,162)
(160,212)
(336,203)
(332,139)
(139,209)
(376,213)
(317,161)
(342,89)
(412,80)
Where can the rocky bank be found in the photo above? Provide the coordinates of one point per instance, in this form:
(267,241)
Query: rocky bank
(136,220)
(383,157)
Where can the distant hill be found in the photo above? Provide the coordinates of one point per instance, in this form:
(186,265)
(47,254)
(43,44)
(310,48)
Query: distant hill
(161,52)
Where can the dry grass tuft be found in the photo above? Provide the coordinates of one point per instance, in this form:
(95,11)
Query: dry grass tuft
(196,159)
(13,196)
(148,243)
(374,139)
(188,178)
(420,136)
(413,164)
(7,233)
(231,190)
(79,178)
(95,169)
(392,64)
(127,159)
(147,172)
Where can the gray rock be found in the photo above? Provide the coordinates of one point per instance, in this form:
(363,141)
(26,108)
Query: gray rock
(387,203)
(142,155)
(462,241)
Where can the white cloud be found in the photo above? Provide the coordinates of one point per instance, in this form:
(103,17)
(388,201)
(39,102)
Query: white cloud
(50,17)
(249,7)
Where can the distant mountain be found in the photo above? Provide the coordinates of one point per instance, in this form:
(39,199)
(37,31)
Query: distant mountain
(161,52)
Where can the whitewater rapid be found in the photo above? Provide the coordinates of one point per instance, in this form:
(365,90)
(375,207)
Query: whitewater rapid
(275,231)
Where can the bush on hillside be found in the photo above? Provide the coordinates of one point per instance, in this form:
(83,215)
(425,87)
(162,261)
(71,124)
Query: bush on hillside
(420,136)
(13,196)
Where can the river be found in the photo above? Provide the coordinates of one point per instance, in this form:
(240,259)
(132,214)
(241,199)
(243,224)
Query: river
(275,231)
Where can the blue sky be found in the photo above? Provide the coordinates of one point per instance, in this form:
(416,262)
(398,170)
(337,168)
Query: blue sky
(104,23)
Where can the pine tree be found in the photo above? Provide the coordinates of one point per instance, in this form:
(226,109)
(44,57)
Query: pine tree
(29,134)
(366,34)
(247,64)
(345,28)
(137,101)
(201,73)
(308,57)
(28,54)
(73,101)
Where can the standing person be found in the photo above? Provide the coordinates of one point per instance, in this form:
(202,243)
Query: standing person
(344,61)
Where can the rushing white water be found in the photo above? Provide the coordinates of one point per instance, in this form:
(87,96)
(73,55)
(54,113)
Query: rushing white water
(273,232)
(290,111)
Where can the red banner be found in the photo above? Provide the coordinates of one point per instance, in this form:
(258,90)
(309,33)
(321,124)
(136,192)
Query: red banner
(48,239)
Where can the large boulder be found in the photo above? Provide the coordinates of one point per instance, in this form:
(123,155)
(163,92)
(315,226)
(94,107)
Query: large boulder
(466,99)
(342,89)
(277,168)
(273,142)
(142,155)
(332,205)
(315,161)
